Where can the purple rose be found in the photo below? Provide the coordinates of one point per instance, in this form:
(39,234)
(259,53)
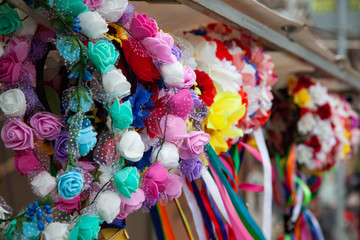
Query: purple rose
(32,100)
(61,147)
(191,168)
(38,49)
(46,125)
(93,4)
(17,135)
(193,144)
(10,67)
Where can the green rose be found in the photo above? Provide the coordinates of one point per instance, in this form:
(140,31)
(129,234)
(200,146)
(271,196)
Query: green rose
(87,228)
(103,55)
(9,19)
(127,181)
(121,114)
(10,231)
(70,7)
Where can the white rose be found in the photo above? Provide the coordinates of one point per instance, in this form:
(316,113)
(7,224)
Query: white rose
(115,83)
(43,183)
(173,74)
(304,155)
(323,130)
(108,206)
(56,231)
(168,156)
(13,102)
(113,9)
(306,123)
(131,147)
(92,24)
(318,94)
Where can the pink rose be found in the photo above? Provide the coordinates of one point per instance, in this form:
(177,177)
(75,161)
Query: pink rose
(25,163)
(166,37)
(93,4)
(130,205)
(181,103)
(46,125)
(159,49)
(17,135)
(189,76)
(69,205)
(193,144)
(155,180)
(173,189)
(175,128)
(10,67)
(142,26)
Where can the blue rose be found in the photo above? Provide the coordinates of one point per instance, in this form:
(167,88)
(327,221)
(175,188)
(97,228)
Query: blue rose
(70,185)
(86,102)
(86,140)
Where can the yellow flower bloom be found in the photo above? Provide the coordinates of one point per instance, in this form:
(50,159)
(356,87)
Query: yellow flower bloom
(226,110)
(120,33)
(301,98)
(346,149)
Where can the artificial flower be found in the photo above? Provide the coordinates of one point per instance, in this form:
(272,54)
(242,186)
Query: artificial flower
(127,181)
(70,7)
(303,83)
(143,26)
(130,205)
(175,128)
(131,146)
(10,230)
(193,144)
(160,50)
(25,162)
(121,114)
(306,123)
(324,111)
(61,146)
(68,205)
(206,86)
(29,230)
(304,155)
(103,54)
(9,19)
(108,205)
(302,97)
(115,83)
(141,104)
(87,227)
(86,140)
(173,74)
(189,77)
(181,103)
(144,162)
(13,103)
(65,50)
(92,24)
(93,4)
(56,231)
(173,189)
(113,9)
(43,184)
(17,135)
(155,180)
(10,67)
(318,94)
(46,125)
(70,185)
(166,155)
(315,143)
(225,76)
(191,168)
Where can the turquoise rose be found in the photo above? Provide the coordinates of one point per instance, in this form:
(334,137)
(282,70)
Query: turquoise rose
(121,114)
(127,181)
(86,140)
(10,231)
(103,55)
(70,185)
(9,19)
(87,228)
(70,7)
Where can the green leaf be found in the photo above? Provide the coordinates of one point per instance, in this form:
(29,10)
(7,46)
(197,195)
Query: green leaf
(58,24)
(53,100)
(46,201)
(74,42)
(52,167)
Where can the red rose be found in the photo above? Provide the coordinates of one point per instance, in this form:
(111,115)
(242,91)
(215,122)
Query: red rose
(314,142)
(303,82)
(324,111)
(206,86)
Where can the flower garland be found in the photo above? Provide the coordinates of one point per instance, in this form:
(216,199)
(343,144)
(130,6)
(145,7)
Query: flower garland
(124,133)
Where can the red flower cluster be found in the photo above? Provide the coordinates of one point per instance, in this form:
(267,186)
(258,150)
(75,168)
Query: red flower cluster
(206,86)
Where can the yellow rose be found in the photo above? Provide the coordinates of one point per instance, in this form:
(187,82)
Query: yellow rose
(301,98)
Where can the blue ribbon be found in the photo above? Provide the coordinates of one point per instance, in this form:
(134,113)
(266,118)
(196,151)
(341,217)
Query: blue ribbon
(157,223)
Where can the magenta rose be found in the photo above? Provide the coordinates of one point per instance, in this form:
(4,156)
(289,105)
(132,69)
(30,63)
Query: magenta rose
(46,125)
(142,26)
(17,135)
(68,205)
(189,77)
(155,180)
(10,67)
(25,163)
(93,4)
(193,144)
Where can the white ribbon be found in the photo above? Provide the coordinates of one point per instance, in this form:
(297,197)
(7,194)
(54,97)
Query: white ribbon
(267,207)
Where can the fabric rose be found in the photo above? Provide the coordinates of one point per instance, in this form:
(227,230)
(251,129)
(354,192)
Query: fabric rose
(70,7)
(56,231)
(143,26)
(206,86)
(193,144)
(181,103)
(61,147)
(13,103)
(131,146)
(103,54)
(160,50)
(324,111)
(25,162)
(306,123)
(168,157)
(113,9)
(173,74)
(85,103)
(173,189)
(319,94)
(46,125)
(68,205)
(87,227)
(189,77)
(17,135)
(126,181)
(175,128)
(155,180)
(9,19)
(121,114)
(305,155)
(191,168)
(130,205)
(93,4)
(43,184)
(108,205)
(86,140)
(70,185)
(115,83)
(10,66)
